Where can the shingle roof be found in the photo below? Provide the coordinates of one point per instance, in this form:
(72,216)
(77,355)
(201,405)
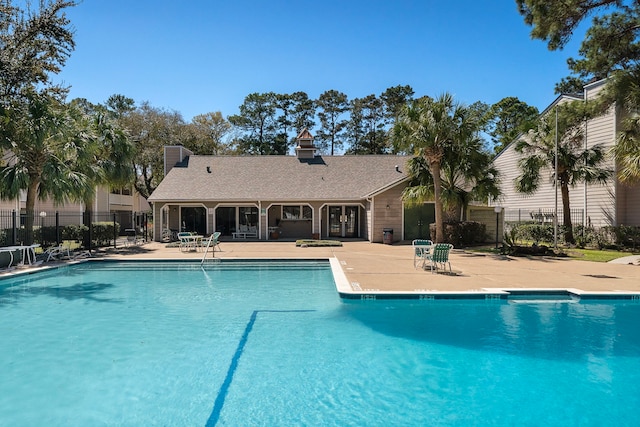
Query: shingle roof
(285,178)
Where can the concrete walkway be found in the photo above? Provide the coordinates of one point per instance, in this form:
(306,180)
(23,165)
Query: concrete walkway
(377,267)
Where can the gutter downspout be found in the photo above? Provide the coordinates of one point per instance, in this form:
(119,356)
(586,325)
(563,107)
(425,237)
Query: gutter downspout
(372,216)
(586,191)
(615,167)
(260,220)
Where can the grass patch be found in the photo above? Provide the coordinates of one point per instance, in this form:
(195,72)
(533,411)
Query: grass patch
(317,243)
(595,255)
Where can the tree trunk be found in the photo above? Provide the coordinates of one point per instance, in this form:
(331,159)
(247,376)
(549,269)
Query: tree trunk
(86,219)
(32,194)
(566,214)
(437,190)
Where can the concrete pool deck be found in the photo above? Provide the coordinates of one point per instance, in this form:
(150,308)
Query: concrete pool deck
(372,267)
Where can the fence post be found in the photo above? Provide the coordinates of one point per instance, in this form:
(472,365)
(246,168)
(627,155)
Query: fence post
(57,228)
(115,233)
(15,228)
(90,231)
(146,228)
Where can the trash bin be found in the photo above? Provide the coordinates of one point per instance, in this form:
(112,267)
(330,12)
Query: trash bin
(387,236)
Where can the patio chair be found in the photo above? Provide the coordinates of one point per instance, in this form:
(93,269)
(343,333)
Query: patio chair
(421,248)
(439,257)
(186,242)
(132,237)
(215,241)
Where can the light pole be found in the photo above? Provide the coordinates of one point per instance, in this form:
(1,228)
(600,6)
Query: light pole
(43,215)
(497,210)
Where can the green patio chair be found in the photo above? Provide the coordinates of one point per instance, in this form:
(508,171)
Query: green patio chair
(439,257)
(421,248)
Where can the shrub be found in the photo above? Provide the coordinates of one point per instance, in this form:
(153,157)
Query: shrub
(103,232)
(627,236)
(536,232)
(317,243)
(74,232)
(462,233)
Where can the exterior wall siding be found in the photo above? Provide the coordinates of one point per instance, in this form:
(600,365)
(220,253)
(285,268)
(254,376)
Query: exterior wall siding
(388,218)
(629,203)
(365,225)
(487,216)
(172,155)
(597,201)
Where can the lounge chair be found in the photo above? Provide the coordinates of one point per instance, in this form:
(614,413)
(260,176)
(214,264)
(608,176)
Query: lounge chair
(421,248)
(81,255)
(57,252)
(439,257)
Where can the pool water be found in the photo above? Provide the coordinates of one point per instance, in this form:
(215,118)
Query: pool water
(240,344)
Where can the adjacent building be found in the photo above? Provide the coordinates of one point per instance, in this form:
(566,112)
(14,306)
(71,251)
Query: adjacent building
(274,197)
(595,205)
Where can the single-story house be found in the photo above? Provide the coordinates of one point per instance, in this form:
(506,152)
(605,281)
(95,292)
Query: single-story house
(594,205)
(268,197)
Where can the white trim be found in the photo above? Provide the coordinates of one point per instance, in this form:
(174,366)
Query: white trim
(386,187)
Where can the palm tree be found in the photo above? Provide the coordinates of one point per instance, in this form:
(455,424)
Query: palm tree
(464,180)
(624,91)
(42,140)
(433,129)
(106,156)
(627,150)
(576,164)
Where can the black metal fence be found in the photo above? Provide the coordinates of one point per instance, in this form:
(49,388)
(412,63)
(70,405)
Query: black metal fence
(541,216)
(47,228)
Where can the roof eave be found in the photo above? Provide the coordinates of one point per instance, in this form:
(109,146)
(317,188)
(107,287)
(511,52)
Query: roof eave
(386,187)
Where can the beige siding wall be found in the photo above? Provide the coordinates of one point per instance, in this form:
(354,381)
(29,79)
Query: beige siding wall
(174,154)
(487,216)
(598,200)
(46,205)
(387,213)
(595,200)
(140,204)
(365,217)
(629,203)
(9,205)
(103,202)
(507,164)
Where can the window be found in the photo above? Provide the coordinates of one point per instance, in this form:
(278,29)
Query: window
(296,212)
(291,212)
(125,191)
(248,216)
(306,212)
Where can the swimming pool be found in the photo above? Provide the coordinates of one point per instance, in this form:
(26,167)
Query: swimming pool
(163,343)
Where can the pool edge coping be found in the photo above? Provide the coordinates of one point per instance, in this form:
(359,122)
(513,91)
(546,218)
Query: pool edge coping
(351,290)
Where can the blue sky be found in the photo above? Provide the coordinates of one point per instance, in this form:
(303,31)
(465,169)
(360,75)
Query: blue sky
(199,56)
